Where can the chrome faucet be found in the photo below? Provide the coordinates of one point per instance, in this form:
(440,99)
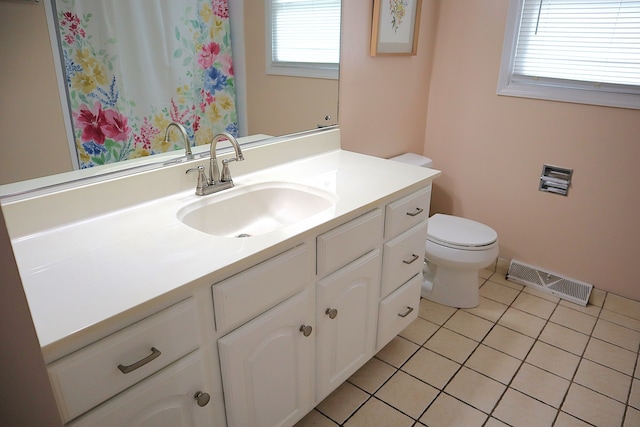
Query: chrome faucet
(214,172)
(215,181)
(183,132)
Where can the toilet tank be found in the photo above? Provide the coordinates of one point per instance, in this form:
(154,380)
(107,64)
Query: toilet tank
(413,159)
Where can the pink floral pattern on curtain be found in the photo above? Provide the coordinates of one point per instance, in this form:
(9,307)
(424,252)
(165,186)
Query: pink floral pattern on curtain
(109,127)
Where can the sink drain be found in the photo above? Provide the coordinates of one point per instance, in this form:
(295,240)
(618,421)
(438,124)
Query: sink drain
(243,235)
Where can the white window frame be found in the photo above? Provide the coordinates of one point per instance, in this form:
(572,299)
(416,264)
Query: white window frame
(550,89)
(297,69)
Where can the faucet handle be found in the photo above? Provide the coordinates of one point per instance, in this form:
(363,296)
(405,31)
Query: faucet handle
(226,173)
(203,182)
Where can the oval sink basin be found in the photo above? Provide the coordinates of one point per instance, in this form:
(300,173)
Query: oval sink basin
(255,210)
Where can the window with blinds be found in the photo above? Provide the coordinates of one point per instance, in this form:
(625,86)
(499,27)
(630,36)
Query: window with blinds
(585,51)
(303,37)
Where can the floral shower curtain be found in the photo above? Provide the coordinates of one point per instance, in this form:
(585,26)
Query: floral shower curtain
(132,67)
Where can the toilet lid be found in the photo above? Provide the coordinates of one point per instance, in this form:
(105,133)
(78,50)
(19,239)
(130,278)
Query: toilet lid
(461,232)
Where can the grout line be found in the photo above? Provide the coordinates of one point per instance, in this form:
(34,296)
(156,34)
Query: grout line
(441,390)
(397,369)
(592,338)
(635,371)
(522,362)
(575,372)
(582,358)
(474,350)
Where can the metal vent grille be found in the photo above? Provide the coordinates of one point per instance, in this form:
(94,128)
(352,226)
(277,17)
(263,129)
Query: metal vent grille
(563,287)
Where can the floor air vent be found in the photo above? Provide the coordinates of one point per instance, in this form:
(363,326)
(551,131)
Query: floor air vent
(563,287)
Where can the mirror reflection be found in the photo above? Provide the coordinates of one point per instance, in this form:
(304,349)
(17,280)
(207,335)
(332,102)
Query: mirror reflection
(122,98)
(261,104)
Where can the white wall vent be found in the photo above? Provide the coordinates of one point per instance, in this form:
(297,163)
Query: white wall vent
(553,283)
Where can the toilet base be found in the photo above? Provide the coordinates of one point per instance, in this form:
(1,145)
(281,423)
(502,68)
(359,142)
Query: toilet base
(451,287)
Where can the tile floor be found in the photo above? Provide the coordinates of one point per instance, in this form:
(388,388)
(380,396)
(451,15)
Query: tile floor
(521,358)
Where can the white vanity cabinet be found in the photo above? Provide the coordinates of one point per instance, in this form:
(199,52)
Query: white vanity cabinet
(264,327)
(346,299)
(149,373)
(288,331)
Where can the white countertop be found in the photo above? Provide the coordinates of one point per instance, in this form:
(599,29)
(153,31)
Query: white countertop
(80,274)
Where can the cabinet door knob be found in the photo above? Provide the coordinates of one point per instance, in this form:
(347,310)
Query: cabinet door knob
(331,312)
(418,211)
(306,330)
(125,369)
(202,399)
(406,313)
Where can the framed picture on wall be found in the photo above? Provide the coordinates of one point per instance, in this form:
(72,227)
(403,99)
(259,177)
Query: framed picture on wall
(394,30)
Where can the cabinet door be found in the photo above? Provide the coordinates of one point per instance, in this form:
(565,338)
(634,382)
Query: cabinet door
(347,304)
(165,399)
(267,366)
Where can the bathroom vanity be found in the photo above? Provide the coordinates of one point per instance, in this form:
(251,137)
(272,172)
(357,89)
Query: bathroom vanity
(147,316)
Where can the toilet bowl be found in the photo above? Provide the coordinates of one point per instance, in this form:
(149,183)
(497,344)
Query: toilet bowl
(456,250)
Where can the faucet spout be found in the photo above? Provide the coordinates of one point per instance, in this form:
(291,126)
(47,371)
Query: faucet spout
(183,132)
(214,171)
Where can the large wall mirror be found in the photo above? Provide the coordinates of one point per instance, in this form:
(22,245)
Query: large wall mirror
(268,105)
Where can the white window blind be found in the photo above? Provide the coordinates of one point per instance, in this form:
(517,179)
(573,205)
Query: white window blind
(574,50)
(304,34)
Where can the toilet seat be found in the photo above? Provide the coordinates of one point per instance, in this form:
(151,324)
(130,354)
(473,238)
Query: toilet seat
(460,233)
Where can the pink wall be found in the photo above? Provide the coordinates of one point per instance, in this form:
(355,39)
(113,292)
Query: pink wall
(491,150)
(383,99)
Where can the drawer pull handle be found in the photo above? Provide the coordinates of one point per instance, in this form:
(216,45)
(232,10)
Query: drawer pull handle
(202,399)
(331,312)
(406,313)
(306,330)
(155,353)
(418,211)
(413,258)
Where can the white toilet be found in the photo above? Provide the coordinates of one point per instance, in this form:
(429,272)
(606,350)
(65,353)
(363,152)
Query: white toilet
(456,250)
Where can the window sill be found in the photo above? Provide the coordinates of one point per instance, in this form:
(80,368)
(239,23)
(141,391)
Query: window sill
(564,94)
(318,71)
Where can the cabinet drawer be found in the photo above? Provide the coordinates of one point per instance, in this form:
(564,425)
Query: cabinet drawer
(407,212)
(254,291)
(349,241)
(91,375)
(403,258)
(398,310)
